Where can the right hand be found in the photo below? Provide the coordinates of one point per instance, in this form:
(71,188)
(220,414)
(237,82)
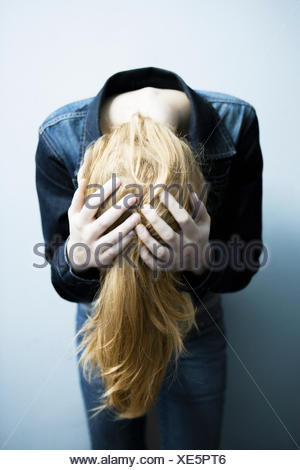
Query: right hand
(85,228)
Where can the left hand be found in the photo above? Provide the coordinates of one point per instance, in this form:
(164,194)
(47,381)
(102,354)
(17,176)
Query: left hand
(185,251)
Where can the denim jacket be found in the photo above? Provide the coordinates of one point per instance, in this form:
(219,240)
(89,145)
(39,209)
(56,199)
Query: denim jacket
(223,130)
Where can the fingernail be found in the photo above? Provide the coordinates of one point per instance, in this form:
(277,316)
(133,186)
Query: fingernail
(131,200)
(131,233)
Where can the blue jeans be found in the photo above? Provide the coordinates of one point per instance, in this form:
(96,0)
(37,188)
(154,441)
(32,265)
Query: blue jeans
(189,406)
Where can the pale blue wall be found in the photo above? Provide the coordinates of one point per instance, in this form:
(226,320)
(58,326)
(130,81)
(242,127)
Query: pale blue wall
(60,51)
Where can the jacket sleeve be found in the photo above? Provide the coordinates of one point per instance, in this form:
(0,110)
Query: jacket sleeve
(55,191)
(242,220)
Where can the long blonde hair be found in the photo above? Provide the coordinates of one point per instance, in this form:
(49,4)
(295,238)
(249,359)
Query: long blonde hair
(137,322)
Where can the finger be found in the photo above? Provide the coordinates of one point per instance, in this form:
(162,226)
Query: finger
(122,229)
(200,212)
(149,260)
(108,255)
(94,200)
(163,229)
(153,245)
(112,214)
(183,218)
(78,197)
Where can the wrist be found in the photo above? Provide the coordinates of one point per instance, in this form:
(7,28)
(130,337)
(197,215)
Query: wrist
(198,271)
(76,257)
(206,261)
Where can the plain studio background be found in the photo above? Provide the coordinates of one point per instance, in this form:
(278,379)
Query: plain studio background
(62,51)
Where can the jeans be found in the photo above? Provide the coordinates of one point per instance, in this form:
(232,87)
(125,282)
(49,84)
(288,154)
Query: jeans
(189,406)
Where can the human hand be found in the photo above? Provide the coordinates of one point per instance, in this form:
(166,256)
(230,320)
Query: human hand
(86,246)
(186,251)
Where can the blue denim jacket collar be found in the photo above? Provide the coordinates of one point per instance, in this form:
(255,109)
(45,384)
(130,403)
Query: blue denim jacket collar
(207,134)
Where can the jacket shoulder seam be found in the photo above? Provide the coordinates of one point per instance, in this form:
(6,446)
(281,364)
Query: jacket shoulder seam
(250,118)
(55,120)
(221,100)
(216,97)
(51,146)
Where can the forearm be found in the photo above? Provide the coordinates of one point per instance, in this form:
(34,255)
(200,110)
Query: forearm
(70,285)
